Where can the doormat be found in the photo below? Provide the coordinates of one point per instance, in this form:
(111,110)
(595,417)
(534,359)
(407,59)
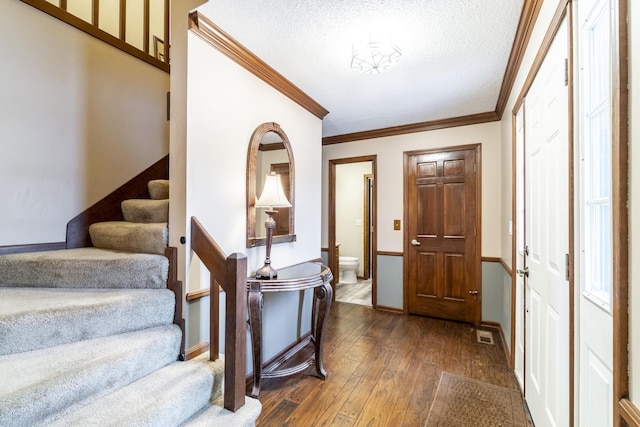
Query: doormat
(466,402)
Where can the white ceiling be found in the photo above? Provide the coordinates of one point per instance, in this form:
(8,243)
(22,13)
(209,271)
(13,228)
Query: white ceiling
(454,54)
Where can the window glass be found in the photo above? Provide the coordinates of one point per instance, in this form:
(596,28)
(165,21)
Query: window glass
(595,144)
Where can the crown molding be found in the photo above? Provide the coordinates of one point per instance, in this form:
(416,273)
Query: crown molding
(223,42)
(472,119)
(528,18)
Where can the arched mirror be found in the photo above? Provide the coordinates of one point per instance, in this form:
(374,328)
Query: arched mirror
(269,151)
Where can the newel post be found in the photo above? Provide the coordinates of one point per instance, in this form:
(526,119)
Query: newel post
(235,332)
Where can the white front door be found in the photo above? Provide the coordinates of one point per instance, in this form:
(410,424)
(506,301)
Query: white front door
(547,237)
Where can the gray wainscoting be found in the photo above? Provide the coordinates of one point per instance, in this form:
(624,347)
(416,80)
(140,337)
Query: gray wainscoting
(496,297)
(496,289)
(390,281)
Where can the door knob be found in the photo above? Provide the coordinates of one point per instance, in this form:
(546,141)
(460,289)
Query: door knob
(523,272)
(414,242)
(474,293)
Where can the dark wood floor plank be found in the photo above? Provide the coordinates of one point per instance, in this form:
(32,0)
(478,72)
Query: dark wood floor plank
(381,327)
(362,348)
(357,400)
(342,421)
(383,368)
(277,416)
(328,398)
(376,411)
(405,389)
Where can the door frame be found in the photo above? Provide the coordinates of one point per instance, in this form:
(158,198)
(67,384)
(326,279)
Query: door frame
(374,221)
(620,143)
(368,234)
(407,239)
(620,216)
(564,10)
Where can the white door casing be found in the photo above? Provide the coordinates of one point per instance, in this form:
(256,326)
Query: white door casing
(547,237)
(520,252)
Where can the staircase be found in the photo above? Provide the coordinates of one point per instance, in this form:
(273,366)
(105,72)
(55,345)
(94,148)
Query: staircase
(87,335)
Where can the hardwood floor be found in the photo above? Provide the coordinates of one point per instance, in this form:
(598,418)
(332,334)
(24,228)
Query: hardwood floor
(384,370)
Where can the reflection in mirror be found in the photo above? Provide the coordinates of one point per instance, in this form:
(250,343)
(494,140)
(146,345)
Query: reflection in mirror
(273,157)
(269,151)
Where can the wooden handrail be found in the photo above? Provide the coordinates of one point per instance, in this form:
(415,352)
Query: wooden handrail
(230,273)
(158,60)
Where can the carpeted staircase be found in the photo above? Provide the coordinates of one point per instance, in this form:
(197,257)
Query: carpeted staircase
(87,335)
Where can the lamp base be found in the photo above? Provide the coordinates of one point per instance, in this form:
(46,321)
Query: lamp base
(267,272)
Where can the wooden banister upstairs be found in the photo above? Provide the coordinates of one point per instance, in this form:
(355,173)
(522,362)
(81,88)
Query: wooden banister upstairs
(229,272)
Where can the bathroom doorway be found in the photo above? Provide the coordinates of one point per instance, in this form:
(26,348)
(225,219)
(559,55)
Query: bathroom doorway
(352,226)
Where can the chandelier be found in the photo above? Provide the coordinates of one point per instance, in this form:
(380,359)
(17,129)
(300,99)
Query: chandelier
(373,57)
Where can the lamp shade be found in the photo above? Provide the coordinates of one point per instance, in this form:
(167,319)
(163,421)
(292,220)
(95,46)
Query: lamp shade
(273,194)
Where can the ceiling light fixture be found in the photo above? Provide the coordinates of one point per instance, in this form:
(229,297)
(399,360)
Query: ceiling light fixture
(373,57)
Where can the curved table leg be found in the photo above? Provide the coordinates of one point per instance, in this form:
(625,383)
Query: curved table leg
(321,306)
(255,322)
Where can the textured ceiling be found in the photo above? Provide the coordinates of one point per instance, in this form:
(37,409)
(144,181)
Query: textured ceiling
(454,54)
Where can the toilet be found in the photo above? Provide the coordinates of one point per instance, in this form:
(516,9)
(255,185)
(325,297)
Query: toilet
(348,268)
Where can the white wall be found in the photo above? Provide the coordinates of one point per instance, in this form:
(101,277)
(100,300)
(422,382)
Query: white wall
(544,19)
(225,105)
(79,118)
(390,178)
(634,200)
(178,127)
(350,187)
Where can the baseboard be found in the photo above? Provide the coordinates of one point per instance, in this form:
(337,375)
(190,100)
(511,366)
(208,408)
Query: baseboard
(109,208)
(496,325)
(389,309)
(200,293)
(197,350)
(389,253)
(36,247)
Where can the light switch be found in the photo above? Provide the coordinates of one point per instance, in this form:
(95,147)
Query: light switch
(396,224)
(359,222)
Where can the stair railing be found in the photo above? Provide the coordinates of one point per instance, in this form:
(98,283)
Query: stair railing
(230,273)
(92,17)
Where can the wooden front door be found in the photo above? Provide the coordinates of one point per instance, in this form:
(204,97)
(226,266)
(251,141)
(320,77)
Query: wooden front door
(442,218)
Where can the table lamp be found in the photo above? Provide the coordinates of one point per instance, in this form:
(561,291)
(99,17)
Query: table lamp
(272,197)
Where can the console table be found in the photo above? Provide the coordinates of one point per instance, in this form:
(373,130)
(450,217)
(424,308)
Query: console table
(308,275)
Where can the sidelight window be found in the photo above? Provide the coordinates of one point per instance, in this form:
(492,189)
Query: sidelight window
(595,157)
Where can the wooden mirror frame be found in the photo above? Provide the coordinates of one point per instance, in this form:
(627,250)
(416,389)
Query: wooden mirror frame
(252,159)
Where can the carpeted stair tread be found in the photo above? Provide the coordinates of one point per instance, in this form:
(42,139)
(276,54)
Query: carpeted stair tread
(215,414)
(145,210)
(167,397)
(34,318)
(245,416)
(159,189)
(129,236)
(84,268)
(215,366)
(40,383)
